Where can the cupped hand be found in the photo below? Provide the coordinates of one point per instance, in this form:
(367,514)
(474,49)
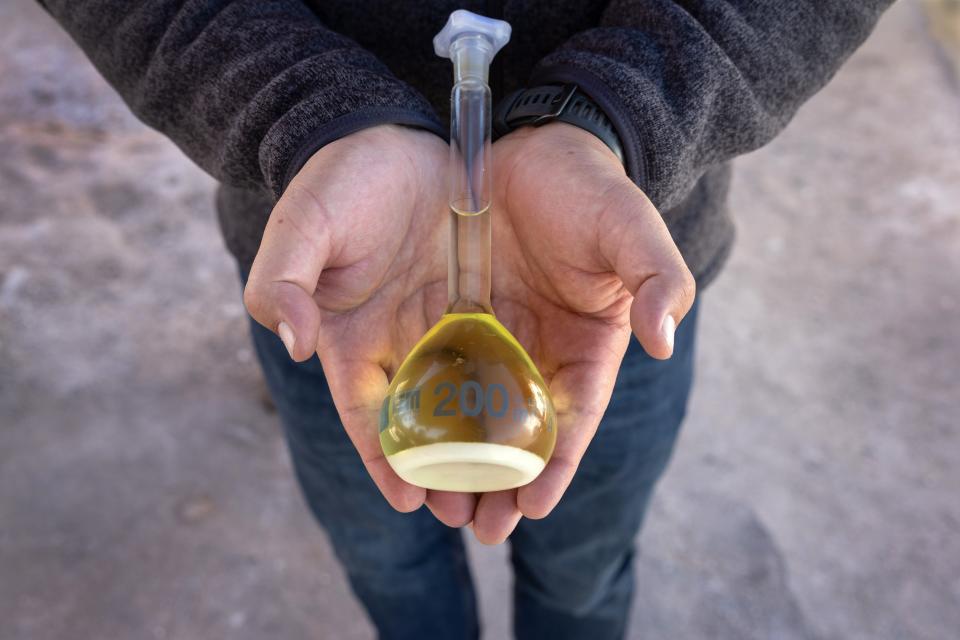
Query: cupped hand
(581,257)
(352,266)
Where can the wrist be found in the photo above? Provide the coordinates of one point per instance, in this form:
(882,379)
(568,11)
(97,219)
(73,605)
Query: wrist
(611,102)
(554,141)
(350,124)
(557,103)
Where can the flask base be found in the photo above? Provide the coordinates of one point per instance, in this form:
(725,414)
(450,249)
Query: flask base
(466,466)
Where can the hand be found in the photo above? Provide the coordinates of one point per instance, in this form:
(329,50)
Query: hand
(353,266)
(581,256)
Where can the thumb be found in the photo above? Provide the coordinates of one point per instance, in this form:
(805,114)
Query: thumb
(637,245)
(292,255)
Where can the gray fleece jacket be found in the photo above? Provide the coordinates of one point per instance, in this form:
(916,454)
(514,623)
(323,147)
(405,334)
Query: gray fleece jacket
(249,89)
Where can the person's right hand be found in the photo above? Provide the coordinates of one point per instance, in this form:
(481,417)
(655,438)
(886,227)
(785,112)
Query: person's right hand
(352,266)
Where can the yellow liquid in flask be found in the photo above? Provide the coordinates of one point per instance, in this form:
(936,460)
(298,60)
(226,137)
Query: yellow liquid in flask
(468,410)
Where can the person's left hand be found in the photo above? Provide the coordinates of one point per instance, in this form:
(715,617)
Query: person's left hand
(580,256)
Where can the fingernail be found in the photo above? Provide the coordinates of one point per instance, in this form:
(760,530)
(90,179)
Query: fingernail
(286,334)
(668,328)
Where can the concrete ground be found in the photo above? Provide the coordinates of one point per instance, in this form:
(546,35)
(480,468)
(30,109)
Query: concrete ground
(144,486)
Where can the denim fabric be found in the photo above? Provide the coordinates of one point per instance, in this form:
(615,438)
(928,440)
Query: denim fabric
(573,569)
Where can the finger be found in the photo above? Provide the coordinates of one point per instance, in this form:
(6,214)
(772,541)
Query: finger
(659,304)
(580,393)
(292,254)
(358,388)
(637,244)
(496,517)
(452,508)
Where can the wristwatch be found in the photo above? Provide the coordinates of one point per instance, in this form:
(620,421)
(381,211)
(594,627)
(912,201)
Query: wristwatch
(566,103)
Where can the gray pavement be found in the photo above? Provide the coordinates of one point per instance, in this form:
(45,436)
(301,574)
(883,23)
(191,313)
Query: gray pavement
(144,486)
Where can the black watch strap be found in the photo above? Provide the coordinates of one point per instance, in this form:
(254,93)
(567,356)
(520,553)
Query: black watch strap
(566,103)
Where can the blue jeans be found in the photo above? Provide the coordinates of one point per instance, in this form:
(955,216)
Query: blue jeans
(573,569)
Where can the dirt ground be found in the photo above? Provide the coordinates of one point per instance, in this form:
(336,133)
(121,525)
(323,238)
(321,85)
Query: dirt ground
(145,490)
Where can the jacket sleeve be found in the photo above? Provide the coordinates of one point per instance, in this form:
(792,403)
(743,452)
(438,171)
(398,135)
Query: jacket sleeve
(689,84)
(247,89)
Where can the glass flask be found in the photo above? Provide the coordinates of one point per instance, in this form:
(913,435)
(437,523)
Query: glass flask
(468,410)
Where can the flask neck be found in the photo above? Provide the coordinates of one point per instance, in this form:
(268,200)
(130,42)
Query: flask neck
(469,276)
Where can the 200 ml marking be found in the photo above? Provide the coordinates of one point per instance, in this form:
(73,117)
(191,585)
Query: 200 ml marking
(471,399)
(474,399)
